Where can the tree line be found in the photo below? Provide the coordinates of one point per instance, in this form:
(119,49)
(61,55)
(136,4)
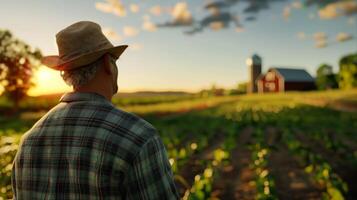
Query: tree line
(346,77)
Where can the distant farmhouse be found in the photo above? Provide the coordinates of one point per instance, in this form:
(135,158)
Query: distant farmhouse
(277,79)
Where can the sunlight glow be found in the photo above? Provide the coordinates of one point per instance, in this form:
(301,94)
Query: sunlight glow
(48,81)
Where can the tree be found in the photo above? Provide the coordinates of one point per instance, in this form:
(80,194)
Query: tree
(348,71)
(242,87)
(214,91)
(325,78)
(17,64)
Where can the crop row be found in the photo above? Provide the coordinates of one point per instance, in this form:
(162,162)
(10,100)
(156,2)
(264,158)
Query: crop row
(317,167)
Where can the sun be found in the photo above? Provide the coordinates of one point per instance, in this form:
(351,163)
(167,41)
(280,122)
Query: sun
(43,75)
(48,81)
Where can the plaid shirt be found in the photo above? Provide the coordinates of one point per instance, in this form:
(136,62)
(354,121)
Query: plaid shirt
(85,148)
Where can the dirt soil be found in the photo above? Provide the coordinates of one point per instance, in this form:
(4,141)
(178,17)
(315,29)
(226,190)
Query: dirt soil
(193,165)
(235,180)
(340,166)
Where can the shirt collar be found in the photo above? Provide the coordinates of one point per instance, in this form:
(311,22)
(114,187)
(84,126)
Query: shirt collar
(82,96)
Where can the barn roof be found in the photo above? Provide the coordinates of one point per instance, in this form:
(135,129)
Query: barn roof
(289,74)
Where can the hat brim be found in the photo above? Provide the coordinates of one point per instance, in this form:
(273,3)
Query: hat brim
(56,63)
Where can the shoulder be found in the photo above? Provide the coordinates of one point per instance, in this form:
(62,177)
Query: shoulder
(132,123)
(119,123)
(135,134)
(113,122)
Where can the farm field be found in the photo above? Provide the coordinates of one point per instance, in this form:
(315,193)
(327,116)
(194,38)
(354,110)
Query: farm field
(274,146)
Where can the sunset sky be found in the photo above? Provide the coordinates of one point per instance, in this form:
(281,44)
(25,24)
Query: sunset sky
(166,58)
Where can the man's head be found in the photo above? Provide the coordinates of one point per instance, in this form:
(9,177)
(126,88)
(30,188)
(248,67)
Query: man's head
(98,76)
(85,57)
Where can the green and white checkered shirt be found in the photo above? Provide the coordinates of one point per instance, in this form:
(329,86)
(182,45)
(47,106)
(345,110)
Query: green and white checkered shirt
(85,148)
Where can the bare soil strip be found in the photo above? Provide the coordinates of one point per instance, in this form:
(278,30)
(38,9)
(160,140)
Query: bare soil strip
(234,181)
(290,179)
(347,172)
(194,166)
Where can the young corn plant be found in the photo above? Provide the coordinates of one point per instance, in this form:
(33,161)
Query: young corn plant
(264,181)
(318,168)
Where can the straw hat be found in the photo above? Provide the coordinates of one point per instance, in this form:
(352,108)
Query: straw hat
(80,44)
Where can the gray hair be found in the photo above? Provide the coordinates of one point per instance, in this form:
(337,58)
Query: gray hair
(82,75)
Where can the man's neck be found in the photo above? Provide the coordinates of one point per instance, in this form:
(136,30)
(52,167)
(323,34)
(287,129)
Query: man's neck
(95,90)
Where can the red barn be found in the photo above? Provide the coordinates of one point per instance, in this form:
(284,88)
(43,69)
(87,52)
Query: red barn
(285,79)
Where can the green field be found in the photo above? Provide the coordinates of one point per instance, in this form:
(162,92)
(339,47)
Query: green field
(274,146)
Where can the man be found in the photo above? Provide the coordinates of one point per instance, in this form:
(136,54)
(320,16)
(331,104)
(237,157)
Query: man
(85,148)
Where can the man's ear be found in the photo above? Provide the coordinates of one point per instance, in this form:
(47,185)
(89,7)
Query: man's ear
(107,64)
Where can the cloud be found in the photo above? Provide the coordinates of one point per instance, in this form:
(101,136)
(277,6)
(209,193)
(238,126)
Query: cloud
(252,6)
(136,47)
(146,17)
(181,16)
(156,10)
(250,18)
(320,36)
(118,7)
(321,44)
(256,6)
(320,39)
(111,6)
(214,10)
(288,9)
(111,34)
(301,35)
(104,7)
(217,14)
(134,8)
(215,22)
(296,4)
(148,25)
(287,12)
(216,26)
(337,9)
(215,7)
(130,31)
(240,29)
(342,37)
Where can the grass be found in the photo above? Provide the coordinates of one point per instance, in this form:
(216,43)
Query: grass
(195,129)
